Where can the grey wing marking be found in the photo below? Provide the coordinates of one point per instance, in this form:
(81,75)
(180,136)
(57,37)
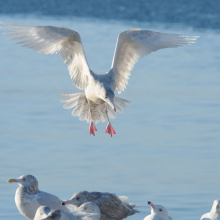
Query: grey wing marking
(111,206)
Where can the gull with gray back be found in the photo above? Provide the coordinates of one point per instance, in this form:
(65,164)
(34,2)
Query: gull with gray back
(112,207)
(29,198)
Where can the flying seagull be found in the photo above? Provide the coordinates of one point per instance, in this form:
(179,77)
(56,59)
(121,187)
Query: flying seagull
(98,101)
(112,207)
(158,212)
(29,198)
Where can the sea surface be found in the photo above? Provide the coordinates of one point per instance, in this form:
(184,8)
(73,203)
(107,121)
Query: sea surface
(167,144)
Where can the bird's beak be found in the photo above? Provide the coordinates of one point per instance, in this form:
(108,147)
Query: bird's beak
(151,204)
(113,106)
(13,181)
(66,202)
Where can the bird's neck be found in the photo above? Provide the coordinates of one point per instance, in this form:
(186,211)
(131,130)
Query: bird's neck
(27,190)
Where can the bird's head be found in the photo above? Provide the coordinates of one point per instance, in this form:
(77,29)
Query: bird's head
(78,199)
(216,206)
(89,207)
(107,95)
(28,181)
(42,212)
(89,210)
(158,210)
(57,214)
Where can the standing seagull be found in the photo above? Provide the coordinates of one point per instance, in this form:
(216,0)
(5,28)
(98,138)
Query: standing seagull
(112,207)
(214,214)
(29,198)
(98,101)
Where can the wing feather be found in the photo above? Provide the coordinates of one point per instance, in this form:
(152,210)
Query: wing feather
(134,44)
(49,40)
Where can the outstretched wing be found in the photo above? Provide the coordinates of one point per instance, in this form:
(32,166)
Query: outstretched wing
(134,44)
(49,40)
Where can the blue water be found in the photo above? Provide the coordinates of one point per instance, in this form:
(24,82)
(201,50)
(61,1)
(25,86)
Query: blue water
(166,149)
(196,13)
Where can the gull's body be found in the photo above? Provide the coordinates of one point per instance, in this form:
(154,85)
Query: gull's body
(214,214)
(112,207)
(158,212)
(29,198)
(98,101)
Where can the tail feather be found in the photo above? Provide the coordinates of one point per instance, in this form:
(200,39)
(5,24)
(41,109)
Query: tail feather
(81,107)
(77,111)
(69,94)
(111,113)
(68,99)
(122,198)
(118,109)
(132,205)
(122,102)
(72,103)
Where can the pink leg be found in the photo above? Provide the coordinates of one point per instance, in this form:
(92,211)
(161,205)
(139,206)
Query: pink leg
(109,129)
(92,127)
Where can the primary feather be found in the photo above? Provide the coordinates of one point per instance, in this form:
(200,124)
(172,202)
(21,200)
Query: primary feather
(134,44)
(49,40)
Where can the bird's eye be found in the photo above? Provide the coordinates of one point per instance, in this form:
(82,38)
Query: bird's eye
(77,198)
(106,97)
(85,207)
(24,179)
(160,210)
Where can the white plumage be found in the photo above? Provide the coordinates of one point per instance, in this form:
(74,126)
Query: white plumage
(98,101)
(158,212)
(29,198)
(214,214)
(87,211)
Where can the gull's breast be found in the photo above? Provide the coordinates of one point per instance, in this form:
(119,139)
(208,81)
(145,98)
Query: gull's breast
(92,96)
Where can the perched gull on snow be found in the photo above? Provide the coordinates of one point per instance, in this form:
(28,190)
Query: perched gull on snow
(214,214)
(158,212)
(29,198)
(98,101)
(112,207)
(87,211)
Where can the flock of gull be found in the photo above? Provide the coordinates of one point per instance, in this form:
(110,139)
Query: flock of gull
(96,103)
(38,205)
